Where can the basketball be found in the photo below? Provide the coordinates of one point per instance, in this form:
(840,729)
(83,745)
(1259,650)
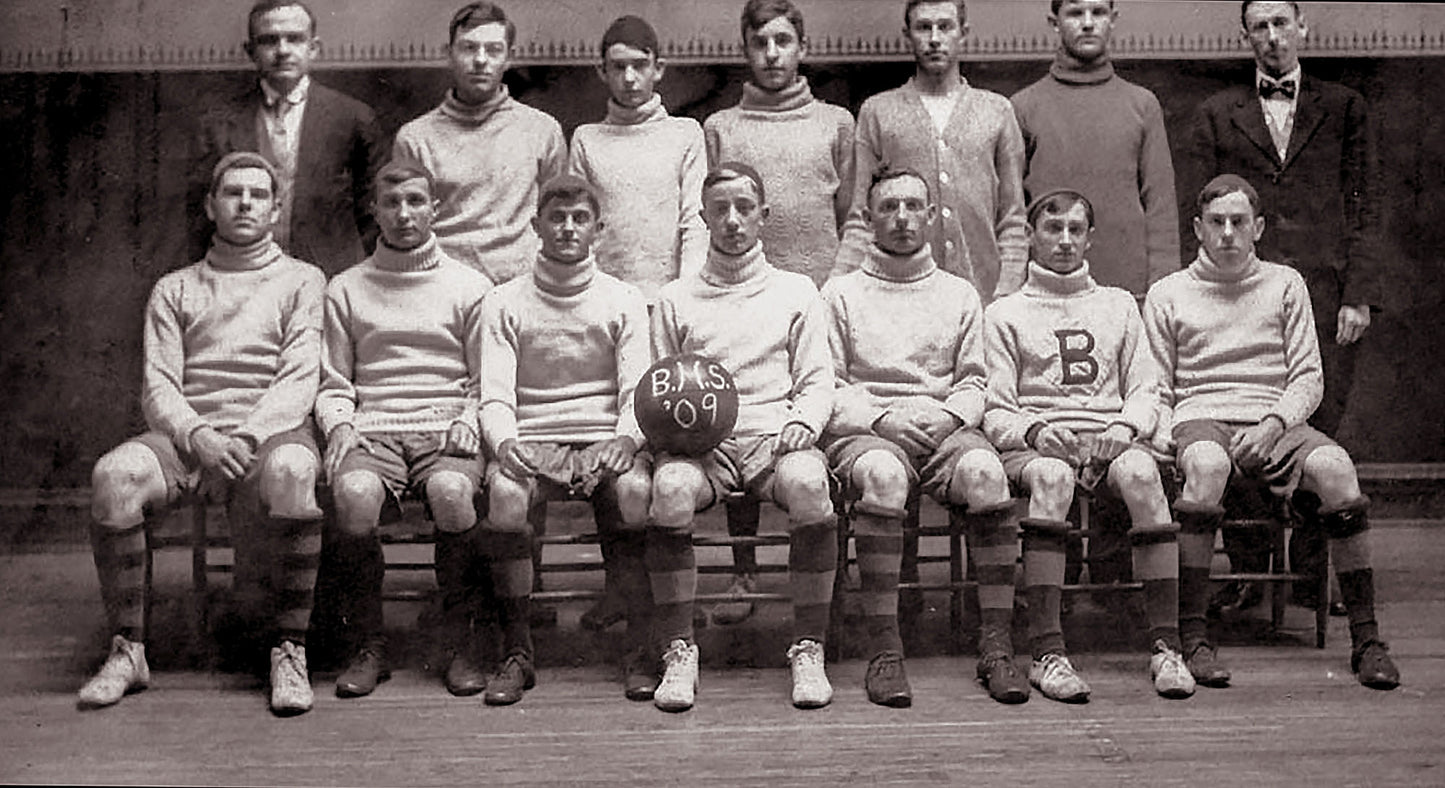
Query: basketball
(686,404)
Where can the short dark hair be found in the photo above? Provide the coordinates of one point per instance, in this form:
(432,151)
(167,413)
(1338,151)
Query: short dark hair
(245,160)
(569,188)
(888,172)
(1059,201)
(1244,7)
(757,13)
(265,7)
(912,4)
(1055,5)
(477,14)
(1222,185)
(732,170)
(399,171)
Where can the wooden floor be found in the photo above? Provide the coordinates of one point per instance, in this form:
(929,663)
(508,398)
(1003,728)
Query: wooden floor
(1294,716)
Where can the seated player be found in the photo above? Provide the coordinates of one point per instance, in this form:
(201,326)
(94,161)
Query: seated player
(398,406)
(1071,402)
(907,342)
(1240,369)
(562,351)
(232,352)
(765,326)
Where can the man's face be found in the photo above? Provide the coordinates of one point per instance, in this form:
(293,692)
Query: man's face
(935,34)
(478,57)
(405,211)
(1227,229)
(631,74)
(1275,32)
(1084,27)
(567,227)
(900,214)
(243,205)
(733,214)
(282,46)
(774,51)
(1059,241)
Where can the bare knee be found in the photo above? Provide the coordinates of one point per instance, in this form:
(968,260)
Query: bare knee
(1134,473)
(508,503)
(359,496)
(450,496)
(801,486)
(1329,473)
(1206,466)
(634,494)
(881,479)
(288,482)
(676,488)
(978,480)
(124,482)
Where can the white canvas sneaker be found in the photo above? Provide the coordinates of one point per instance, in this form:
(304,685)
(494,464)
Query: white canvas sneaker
(1056,678)
(124,671)
(811,689)
(290,681)
(679,677)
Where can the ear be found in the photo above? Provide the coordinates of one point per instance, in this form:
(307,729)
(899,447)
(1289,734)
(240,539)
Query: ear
(1199,229)
(1258,227)
(802,48)
(1053,22)
(537,224)
(210,207)
(314,45)
(1089,238)
(932,212)
(963,29)
(766,209)
(661,67)
(250,48)
(602,71)
(866,214)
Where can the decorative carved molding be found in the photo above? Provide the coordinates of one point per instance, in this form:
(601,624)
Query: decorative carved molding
(183,35)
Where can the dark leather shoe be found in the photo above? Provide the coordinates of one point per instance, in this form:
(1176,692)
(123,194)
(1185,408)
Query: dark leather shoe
(1205,666)
(1373,666)
(887,682)
(639,675)
(510,681)
(367,669)
(463,677)
(1004,682)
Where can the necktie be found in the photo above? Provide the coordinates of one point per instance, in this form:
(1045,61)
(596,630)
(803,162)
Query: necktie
(1269,88)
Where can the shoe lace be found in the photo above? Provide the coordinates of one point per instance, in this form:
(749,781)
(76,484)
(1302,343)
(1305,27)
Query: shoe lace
(677,652)
(807,653)
(887,666)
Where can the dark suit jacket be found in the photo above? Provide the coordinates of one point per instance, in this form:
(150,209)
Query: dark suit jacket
(340,151)
(1319,202)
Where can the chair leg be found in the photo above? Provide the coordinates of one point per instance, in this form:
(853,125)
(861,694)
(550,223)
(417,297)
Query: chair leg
(956,577)
(200,582)
(1279,564)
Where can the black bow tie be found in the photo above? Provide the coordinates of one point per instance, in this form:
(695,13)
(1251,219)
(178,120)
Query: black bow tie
(1269,88)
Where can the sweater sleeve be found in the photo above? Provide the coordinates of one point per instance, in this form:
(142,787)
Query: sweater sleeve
(633,359)
(1156,193)
(499,372)
(811,368)
(1304,377)
(292,392)
(553,156)
(970,374)
(856,234)
(1137,380)
(844,165)
(1005,423)
(336,403)
(1013,242)
(472,349)
(162,399)
(853,409)
(663,329)
(692,235)
(1162,348)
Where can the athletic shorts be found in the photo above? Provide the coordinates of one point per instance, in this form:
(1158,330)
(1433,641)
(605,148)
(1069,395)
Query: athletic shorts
(183,473)
(744,464)
(1285,465)
(406,460)
(567,471)
(933,474)
(1091,477)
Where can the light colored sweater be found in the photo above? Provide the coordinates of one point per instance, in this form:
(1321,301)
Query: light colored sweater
(1066,351)
(648,167)
(765,326)
(402,336)
(975,174)
(803,148)
(1087,129)
(1235,348)
(233,342)
(562,352)
(487,163)
(900,328)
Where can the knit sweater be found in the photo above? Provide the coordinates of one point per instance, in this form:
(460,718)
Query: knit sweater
(975,174)
(901,328)
(486,163)
(764,326)
(1235,347)
(803,148)
(233,342)
(402,337)
(648,167)
(563,350)
(1067,351)
(1085,128)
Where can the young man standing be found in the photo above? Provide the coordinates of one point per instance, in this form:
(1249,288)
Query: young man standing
(963,140)
(562,352)
(907,347)
(399,410)
(487,152)
(1240,371)
(766,327)
(232,357)
(1072,395)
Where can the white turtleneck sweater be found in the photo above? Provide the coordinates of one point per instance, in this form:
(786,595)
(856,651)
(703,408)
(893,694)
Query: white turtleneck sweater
(648,167)
(233,342)
(901,328)
(402,336)
(1064,350)
(487,163)
(765,326)
(562,352)
(1235,346)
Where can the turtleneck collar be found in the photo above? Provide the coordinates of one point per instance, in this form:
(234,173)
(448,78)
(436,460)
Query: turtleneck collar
(1071,71)
(725,269)
(254,256)
(1206,269)
(899,268)
(420,258)
(563,279)
(473,114)
(1042,281)
(794,96)
(651,109)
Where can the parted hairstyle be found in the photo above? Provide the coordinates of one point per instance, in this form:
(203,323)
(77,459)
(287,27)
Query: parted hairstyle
(477,14)
(760,12)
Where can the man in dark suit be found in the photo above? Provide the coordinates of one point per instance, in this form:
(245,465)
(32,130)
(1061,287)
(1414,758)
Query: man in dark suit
(326,145)
(1304,144)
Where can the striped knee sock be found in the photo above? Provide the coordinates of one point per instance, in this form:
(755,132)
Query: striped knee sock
(993,540)
(878,537)
(672,573)
(1156,565)
(123,562)
(299,548)
(1044,544)
(509,553)
(629,566)
(812,565)
(1198,523)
